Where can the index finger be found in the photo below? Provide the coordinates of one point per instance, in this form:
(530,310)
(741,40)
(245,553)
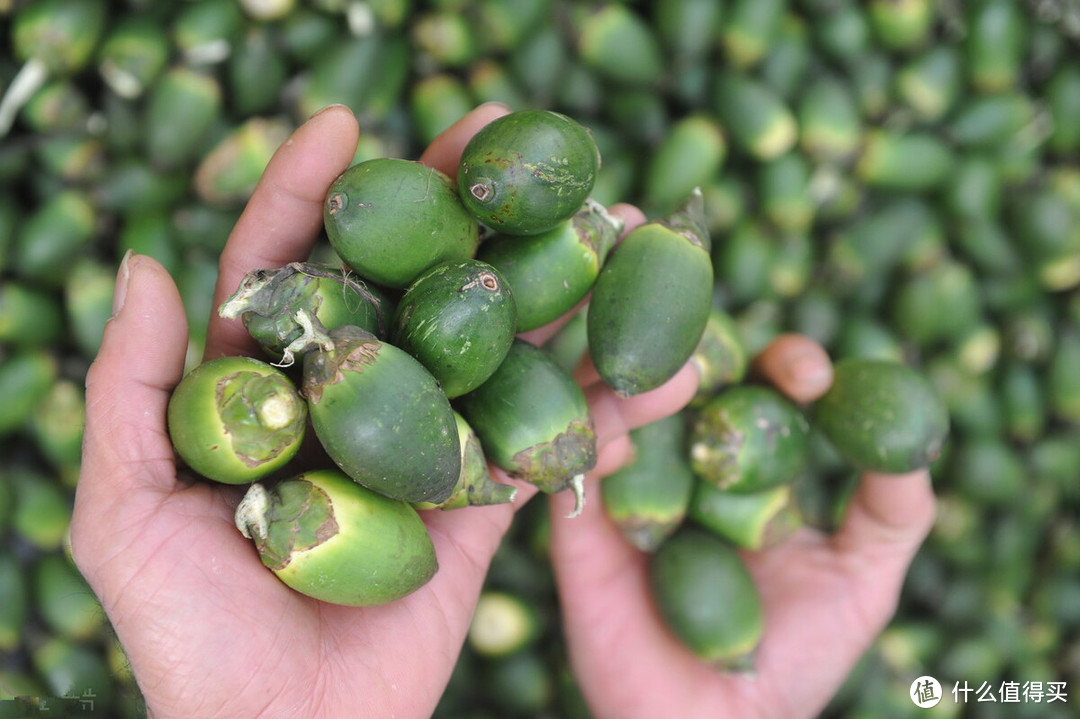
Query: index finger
(889,515)
(444,153)
(283,218)
(796,365)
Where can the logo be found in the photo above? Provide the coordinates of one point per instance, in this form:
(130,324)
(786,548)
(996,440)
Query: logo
(925,692)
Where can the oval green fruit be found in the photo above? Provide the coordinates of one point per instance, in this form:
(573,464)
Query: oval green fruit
(904,161)
(995,44)
(41,515)
(72,668)
(569,345)
(64,600)
(26,376)
(707,598)
(391,219)
(15,602)
(291,309)
(901,24)
(720,356)
(533,420)
(29,317)
(756,118)
(503,623)
(651,301)
(550,272)
(132,55)
(474,487)
(181,107)
(525,172)
(648,498)
(882,416)
(382,418)
(458,319)
(60,33)
(752,520)
(749,438)
(521,684)
(236,419)
(618,44)
(690,155)
(329,538)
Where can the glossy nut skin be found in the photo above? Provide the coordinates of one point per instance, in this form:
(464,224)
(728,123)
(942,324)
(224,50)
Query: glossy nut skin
(651,301)
(236,419)
(525,172)
(331,539)
(648,498)
(752,520)
(391,219)
(458,319)
(533,420)
(475,486)
(749,438)
(382,418)
(882,416)
(551,272)
(707,598)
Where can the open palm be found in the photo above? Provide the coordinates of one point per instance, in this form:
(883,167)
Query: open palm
(209,631)
(825,597)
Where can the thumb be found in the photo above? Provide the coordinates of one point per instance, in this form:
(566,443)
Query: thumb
(126,445)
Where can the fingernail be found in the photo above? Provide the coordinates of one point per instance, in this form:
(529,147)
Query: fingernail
(324,109)
(123,275)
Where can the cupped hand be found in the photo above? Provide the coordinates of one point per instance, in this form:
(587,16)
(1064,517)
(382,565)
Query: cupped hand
(825,597)
(208,630)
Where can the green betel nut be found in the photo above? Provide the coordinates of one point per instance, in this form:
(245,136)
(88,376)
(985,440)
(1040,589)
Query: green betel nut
(458,319)
(882,416)
(749,438)
(752,520)
(707,598)
(474,487)
(503,624)
(291,310)
(648,498)
(382,418)
(533,421)
(236,419)
(651,301)
(550,272)
(391,219)
(525,172)
(720,356)
(331,539)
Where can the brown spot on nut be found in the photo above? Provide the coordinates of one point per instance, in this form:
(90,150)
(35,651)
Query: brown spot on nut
(482,191)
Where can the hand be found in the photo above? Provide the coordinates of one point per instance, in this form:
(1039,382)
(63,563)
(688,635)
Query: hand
(825,598)
(209,631)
